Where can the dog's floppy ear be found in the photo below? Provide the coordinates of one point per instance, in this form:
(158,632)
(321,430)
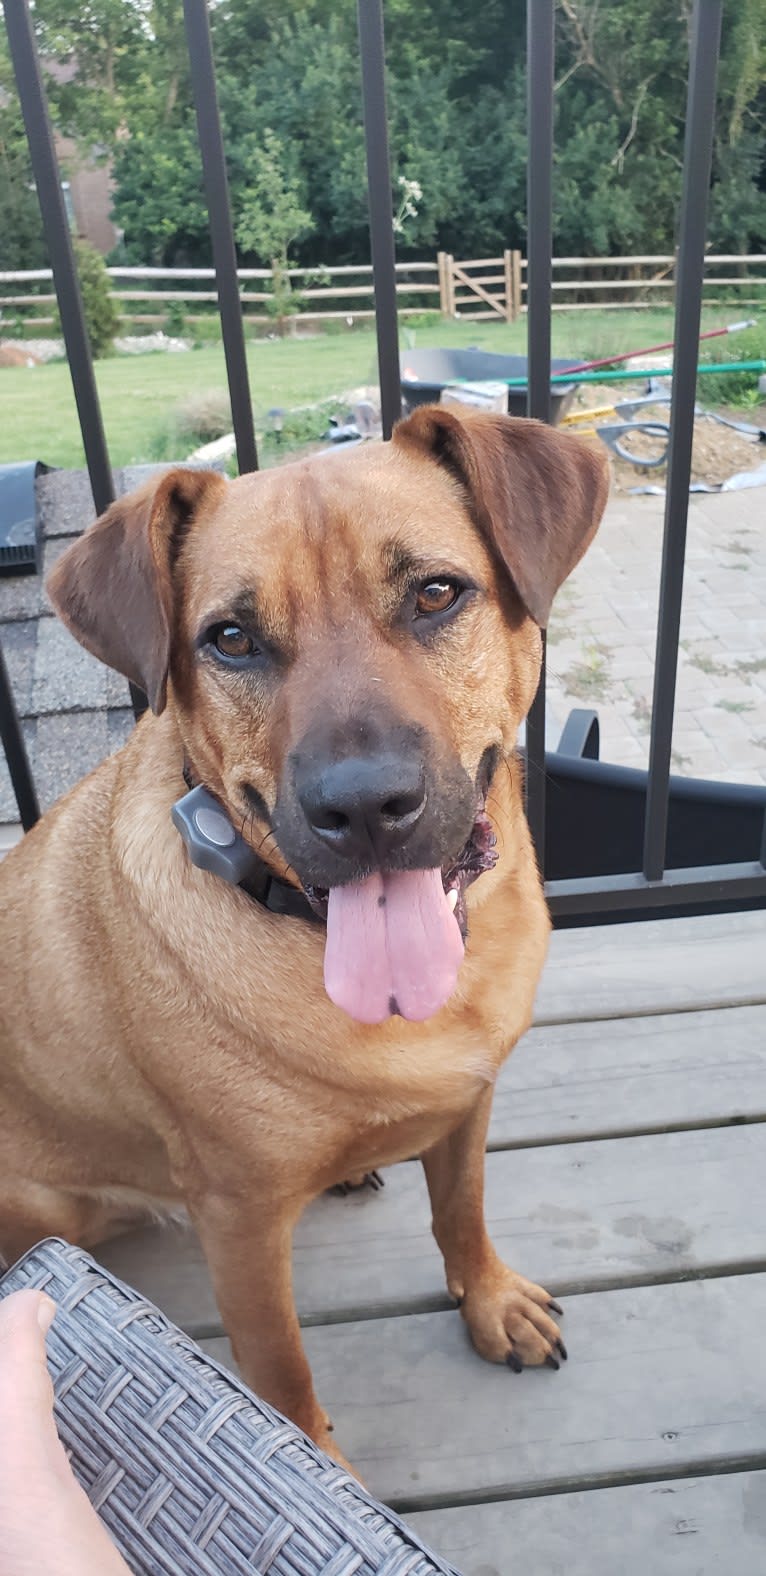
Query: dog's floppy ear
(537,495)
(113,588)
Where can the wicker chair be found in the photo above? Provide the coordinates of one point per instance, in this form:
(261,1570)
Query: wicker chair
(190,1472)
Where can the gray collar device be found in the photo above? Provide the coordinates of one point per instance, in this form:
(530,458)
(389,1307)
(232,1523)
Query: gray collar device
(214,844)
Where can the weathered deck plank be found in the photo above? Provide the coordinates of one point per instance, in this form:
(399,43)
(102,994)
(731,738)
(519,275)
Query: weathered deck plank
(587,1080)
(692,1527)
(662,1381)
(575,1217)
(662,965)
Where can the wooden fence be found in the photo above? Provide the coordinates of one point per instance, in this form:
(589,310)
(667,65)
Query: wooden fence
(483,288)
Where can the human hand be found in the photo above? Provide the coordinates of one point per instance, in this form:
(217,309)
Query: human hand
(46,1519)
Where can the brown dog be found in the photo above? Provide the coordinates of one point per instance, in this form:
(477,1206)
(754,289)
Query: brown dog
(341,651)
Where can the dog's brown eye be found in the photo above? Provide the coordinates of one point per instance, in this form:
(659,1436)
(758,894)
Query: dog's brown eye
(232,641)
(436,597)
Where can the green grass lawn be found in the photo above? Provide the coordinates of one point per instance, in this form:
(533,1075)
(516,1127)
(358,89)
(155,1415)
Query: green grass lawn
(138,393)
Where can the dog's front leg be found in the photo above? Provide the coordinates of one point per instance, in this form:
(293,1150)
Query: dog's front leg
(508,1316)
(249,1255)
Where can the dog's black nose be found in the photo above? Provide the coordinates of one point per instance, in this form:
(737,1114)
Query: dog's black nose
(364,805)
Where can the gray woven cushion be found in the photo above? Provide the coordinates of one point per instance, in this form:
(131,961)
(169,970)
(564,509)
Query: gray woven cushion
(189,1471)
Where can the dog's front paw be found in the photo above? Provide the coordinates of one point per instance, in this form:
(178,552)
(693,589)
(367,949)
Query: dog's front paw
(509,1320)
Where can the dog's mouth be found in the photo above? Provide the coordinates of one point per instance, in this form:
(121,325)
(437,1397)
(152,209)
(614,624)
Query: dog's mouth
(478,854)
(395,940)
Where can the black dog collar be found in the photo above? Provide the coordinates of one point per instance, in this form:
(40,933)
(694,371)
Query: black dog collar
(214,844)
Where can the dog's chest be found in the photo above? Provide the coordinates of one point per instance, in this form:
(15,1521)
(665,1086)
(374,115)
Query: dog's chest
(418,1094)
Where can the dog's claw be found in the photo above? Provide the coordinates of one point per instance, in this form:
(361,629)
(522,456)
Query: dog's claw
(550,1362)
(514,1363)
(371,1179)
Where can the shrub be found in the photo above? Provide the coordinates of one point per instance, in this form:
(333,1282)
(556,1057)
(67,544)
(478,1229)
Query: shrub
(102,317)
(732,388)
(204,330)
(175,320)
(303,429)
(201,418)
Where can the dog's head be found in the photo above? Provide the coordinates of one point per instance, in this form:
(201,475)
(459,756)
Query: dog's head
(350,644)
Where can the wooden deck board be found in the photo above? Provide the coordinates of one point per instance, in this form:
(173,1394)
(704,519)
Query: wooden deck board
(632,1075)
(578,1217)
(709,1526)
(660,965)
(662,1380)
(575,1217)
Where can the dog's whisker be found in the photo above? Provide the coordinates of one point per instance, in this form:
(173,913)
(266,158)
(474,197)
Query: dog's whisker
(499,811)
(264,839)
(532,766)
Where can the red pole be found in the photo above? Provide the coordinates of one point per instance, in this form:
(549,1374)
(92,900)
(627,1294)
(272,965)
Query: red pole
(649,350)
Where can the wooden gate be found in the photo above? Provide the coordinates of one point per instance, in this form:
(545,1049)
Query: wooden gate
(481,287)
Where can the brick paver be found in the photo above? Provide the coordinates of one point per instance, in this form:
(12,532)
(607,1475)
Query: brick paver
(603,630)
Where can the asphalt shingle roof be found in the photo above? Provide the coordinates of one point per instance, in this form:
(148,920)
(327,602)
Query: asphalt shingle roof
(74,710)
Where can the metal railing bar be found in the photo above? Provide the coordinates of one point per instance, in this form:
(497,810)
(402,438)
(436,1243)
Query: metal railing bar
(697,884)
(221,231)
(698,149)
(535,779)
(379,194)
(34,108)
(540,64)
(540,59)
(13,743)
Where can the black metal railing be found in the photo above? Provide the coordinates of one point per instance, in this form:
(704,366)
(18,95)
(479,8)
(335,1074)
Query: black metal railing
(652,887)
(541,16)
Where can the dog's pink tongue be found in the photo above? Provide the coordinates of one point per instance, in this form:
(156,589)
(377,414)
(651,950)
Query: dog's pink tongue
(393,945)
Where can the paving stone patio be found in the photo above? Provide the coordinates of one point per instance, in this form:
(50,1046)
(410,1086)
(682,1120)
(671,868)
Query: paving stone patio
(603,630)
(601,643)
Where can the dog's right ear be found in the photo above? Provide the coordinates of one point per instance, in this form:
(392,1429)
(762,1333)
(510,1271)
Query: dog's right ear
(114,587)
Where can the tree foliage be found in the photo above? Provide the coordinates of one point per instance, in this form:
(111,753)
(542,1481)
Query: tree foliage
(21,233)
(271,218)
(289,88)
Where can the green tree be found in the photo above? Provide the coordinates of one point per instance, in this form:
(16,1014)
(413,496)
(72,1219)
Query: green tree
(271,219)
(101,46)
(21,233)
(457,103)
(159,199)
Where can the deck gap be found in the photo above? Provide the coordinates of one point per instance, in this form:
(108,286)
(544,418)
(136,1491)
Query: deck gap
(709,1466)
(441,1302)
(645,1130)
(664,1010)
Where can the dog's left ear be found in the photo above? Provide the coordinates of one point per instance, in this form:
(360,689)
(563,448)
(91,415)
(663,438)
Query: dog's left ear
(113,587)
(537,495)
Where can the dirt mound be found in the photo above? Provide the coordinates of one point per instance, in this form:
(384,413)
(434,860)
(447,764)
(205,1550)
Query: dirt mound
(718,452)
(14,356)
